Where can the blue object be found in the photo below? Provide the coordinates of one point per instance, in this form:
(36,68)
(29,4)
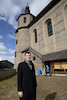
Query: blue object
(39,72)
(47,69)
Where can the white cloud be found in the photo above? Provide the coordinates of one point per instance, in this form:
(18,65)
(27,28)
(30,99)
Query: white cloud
(1,37)
(2,18)
(37,6)
(9,9)
(11,36)
(3,52)
(9,58)
(2,47)
(11,51)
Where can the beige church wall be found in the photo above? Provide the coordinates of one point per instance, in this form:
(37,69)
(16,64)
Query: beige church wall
(59,28)
(31,18)
(61,42)
(45,44)
(18,59)
(40,39)
(23,39)
(23,43)
(65,14)
(56,42)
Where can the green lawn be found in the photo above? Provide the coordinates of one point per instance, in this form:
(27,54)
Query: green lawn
(48,88)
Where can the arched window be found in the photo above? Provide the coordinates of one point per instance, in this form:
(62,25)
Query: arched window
(24,19)
(50,31)
(48,27)
(35,35)
(65,16)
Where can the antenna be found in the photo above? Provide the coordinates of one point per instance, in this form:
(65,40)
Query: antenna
(27,3)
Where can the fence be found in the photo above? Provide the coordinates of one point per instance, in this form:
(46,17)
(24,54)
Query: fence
(6,73)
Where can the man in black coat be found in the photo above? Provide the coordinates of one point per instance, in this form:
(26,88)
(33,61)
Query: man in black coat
(26,79)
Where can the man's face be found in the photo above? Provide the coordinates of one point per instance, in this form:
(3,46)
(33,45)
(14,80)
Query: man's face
(28,57)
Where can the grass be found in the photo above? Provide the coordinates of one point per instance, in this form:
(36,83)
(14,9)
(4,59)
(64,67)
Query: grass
(48,88)
(52,88)
(8,89)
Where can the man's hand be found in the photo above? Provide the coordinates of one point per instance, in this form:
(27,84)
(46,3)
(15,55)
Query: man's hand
(20,94)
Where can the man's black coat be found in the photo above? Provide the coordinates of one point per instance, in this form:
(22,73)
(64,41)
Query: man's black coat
(27,81)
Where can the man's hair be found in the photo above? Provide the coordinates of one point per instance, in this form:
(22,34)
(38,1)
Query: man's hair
(27,52)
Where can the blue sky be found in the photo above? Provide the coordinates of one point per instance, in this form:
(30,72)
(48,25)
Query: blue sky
(9,12)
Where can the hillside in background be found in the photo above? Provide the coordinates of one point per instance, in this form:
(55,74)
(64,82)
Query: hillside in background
(6,64)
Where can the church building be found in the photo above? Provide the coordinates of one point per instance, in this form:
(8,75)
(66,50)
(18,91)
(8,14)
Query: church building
(45,36)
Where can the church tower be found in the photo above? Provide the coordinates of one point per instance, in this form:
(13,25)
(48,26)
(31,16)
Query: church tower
(22,35)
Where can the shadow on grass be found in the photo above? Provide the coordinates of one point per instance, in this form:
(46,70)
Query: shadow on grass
(51,96)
